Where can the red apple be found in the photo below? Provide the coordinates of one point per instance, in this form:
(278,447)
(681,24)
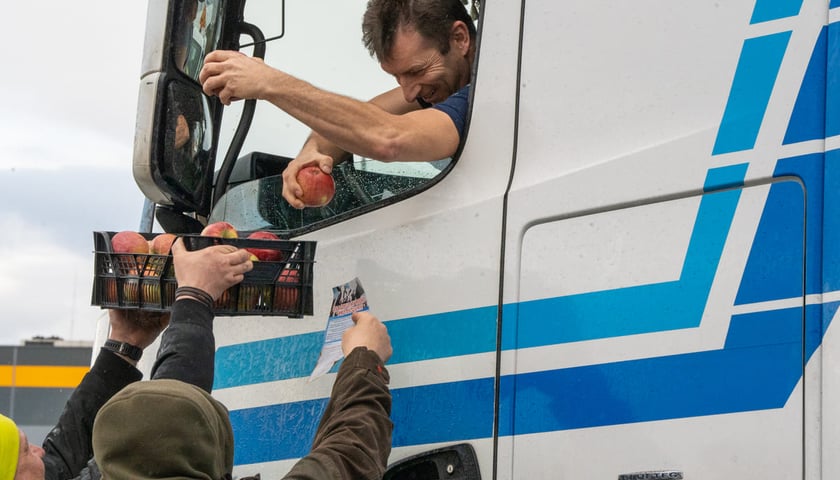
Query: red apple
(220,229)
(224,301)
(131,291)
(286,298)
(129,242)
(253,297)
(161,244)
(109,286)
(151,294)
(265,254)
(318,187)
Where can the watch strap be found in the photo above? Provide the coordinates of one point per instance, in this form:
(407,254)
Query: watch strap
(131,351)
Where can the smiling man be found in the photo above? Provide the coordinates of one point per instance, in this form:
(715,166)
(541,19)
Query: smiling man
(428,46)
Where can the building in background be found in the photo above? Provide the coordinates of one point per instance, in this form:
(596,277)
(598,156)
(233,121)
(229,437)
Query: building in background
(37,378)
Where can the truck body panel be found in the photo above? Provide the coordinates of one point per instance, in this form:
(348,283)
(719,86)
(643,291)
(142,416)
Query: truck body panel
(630,265)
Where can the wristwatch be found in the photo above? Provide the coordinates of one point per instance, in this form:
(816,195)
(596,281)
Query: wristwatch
(131,351)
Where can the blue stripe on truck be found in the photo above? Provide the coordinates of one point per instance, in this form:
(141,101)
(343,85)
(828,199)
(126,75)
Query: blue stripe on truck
(757,369)
(639,309)
(754,79)
(442,335)
(769,10)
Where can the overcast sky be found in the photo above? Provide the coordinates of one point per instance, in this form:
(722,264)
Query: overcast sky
(69,82)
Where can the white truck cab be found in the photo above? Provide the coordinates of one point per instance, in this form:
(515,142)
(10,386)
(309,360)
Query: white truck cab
(629,270)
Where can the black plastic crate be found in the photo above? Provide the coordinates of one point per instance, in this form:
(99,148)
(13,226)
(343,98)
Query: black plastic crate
(147,281)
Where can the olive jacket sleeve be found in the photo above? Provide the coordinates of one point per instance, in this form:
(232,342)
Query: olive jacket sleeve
(353,440)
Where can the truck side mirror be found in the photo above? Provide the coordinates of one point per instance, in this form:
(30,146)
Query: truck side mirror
(177,124)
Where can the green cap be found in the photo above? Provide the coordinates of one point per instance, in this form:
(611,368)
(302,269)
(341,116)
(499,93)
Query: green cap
(163,429)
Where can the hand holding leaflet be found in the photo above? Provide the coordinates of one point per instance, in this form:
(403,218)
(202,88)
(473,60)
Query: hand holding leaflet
(347,300)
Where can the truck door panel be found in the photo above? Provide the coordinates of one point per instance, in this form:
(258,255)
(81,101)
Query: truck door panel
(656,268)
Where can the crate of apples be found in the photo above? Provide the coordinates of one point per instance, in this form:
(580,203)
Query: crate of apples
(280,283)
(132,270)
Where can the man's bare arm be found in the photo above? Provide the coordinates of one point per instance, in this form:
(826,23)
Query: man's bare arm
(391,101)
(317,150)
(352,125)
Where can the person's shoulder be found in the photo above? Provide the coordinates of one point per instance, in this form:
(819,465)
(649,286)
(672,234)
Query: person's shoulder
(460,96)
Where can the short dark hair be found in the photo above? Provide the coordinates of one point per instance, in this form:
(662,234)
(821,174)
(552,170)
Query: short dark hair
(432,19)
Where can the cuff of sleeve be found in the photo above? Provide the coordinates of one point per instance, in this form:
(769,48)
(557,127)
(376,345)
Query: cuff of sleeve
(189,310)
(366,359)
(110,366)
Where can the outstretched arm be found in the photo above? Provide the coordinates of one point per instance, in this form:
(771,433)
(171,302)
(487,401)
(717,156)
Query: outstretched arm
(187,348)
(352,125)
(68,447)
(354,437)
(317,150)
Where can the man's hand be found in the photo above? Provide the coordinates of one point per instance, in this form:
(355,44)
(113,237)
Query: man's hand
(213,269)
(368,332)
(136,327)
(233,76)
(307,157)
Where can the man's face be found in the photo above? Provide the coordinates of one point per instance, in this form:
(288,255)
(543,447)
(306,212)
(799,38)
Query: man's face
(422,71)
(31,461)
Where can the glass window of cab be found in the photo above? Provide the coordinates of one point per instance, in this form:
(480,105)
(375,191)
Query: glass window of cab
(333,59)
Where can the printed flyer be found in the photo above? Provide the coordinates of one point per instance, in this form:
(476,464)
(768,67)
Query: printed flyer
(347,300)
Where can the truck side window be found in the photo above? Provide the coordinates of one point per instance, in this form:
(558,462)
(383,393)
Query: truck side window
(338,63)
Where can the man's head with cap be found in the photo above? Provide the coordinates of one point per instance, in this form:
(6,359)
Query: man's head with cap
(163,429)
(9,448)
(18,459)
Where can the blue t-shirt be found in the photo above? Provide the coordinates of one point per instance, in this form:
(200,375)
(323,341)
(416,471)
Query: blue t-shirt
(456,107)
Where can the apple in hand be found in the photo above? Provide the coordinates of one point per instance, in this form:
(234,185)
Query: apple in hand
(286,298)
(161,244)
(265,254)
(220,229)
(318,187)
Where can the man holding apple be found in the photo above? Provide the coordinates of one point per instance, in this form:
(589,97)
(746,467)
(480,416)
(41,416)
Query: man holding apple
(421,120)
